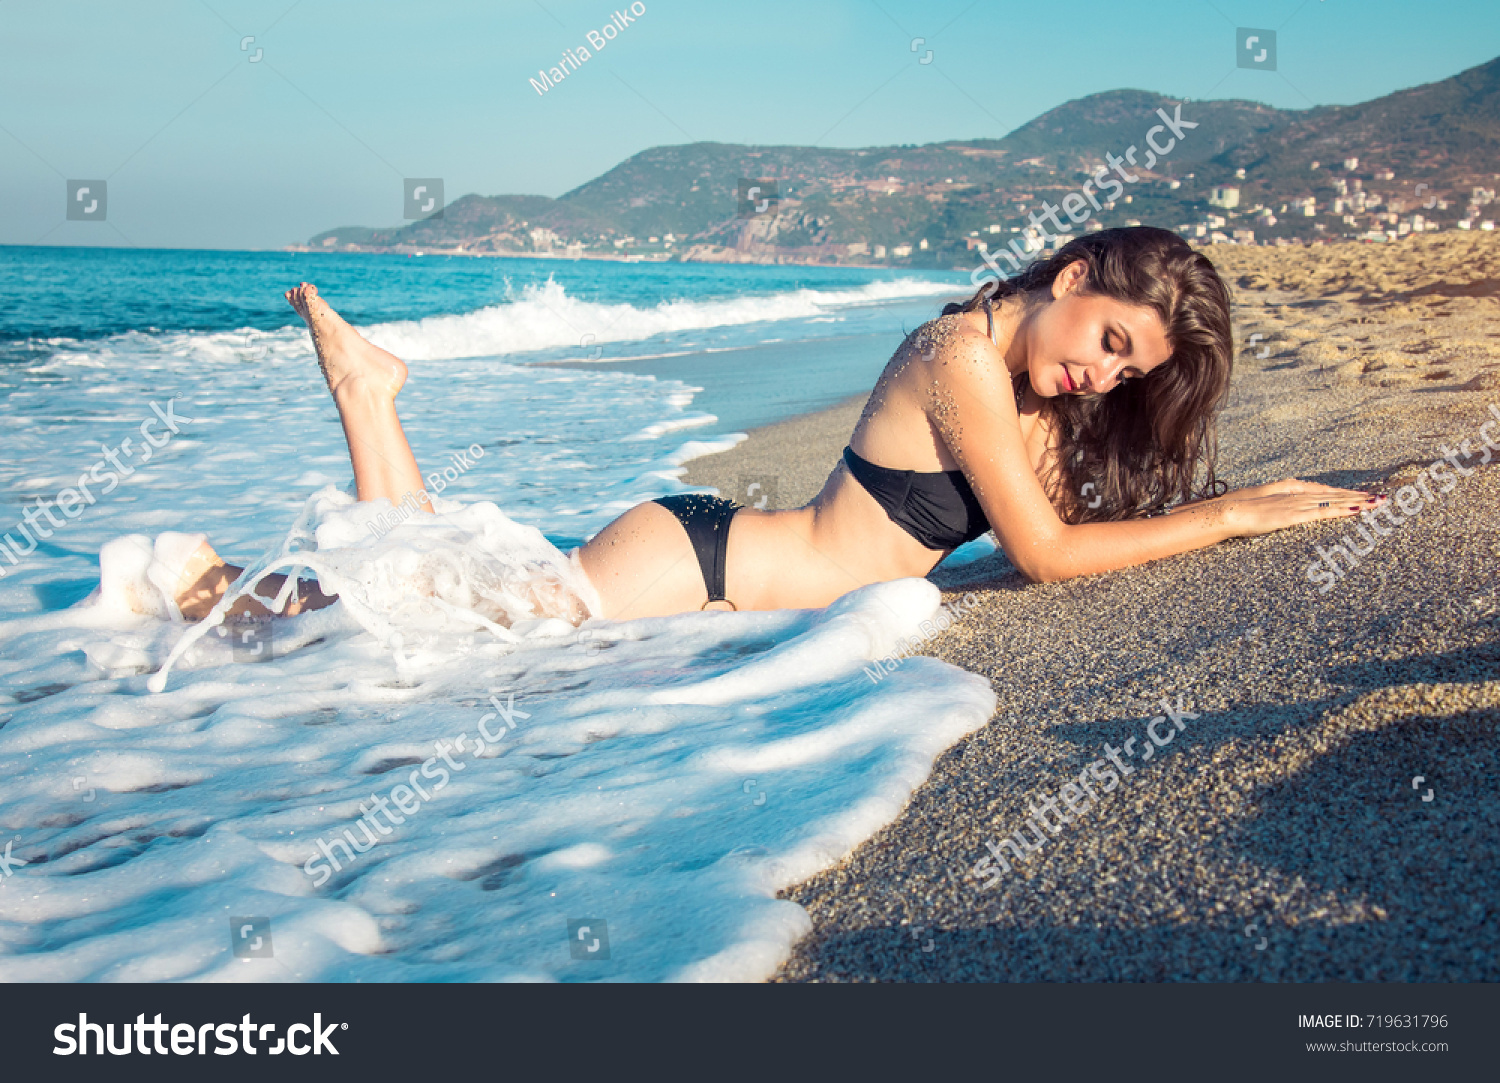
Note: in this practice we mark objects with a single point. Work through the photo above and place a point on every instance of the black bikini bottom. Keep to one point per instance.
(706, 520)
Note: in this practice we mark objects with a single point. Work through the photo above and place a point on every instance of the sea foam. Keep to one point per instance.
(663, 778)
(545, 316)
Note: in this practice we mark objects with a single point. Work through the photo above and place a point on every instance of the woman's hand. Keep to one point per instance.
(1264, 508)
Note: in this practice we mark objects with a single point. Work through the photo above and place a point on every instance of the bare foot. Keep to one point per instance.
(343, 353)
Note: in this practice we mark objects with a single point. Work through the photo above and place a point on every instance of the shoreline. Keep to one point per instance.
(1280, 244)
(604, 257)
(790, 458)
(1284, 799)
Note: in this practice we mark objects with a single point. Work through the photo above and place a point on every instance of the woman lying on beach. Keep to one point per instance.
(1069, 410)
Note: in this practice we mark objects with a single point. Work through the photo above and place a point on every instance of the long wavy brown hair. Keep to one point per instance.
(1143, 444)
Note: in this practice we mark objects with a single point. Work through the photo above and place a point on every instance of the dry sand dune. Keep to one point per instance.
(1331, 811)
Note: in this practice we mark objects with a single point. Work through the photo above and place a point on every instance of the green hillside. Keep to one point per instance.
(839, 205)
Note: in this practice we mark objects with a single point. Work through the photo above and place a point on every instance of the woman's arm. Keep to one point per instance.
(971, 403)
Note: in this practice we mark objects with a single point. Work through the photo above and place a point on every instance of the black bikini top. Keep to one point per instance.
(939, 507)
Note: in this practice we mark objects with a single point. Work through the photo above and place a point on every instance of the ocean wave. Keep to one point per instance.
(545, 317)
(537, 319)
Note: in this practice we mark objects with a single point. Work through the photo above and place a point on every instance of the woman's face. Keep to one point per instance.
(1082, 344)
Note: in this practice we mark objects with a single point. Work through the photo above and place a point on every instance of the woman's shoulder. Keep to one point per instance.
(959, 353)
(940, 342)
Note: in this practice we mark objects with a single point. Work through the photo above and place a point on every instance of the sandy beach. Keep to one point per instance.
(1324, 807)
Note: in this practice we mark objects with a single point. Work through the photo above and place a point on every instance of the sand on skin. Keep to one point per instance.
(1282, 835)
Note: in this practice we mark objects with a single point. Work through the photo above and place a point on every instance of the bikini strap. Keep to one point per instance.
(989, 320)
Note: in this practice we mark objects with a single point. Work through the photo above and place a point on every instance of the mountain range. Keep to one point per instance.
(1296, 174)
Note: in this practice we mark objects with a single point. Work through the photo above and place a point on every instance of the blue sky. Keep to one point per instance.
(205, 147)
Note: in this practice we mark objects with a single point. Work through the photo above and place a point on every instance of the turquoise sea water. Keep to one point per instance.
(830, 329)
(90, 292)
(659, 779)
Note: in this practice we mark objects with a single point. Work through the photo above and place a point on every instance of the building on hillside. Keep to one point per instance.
(1226, 196)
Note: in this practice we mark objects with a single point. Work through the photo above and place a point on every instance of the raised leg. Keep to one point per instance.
(364, 380)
